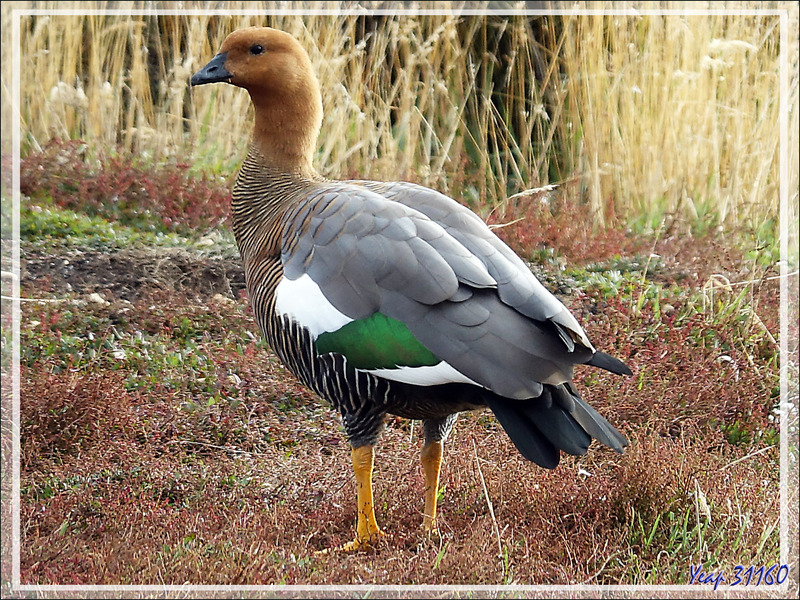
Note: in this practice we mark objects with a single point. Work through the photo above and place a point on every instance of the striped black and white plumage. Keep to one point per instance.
(391, 297)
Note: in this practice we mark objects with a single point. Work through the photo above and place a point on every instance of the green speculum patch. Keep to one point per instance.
(377, 342)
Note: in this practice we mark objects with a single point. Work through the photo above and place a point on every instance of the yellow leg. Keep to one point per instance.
(367, 530)
(431, 463)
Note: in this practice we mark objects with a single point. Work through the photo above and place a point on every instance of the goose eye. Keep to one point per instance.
(256, 49)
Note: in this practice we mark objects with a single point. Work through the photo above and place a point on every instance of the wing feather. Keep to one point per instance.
(517, 286)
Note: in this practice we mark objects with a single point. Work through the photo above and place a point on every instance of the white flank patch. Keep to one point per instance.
(435, 375)
(303, 301)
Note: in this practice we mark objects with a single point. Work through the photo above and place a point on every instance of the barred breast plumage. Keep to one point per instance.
(391, 297)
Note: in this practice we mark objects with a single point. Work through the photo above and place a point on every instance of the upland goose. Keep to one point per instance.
(389, 297)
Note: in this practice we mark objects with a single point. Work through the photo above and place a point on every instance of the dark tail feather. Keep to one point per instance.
(560, 429)
(541, 427)
(595, 425)
(609, 363)
(530, 442)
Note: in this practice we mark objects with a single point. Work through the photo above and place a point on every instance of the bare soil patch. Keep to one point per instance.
(128, 274)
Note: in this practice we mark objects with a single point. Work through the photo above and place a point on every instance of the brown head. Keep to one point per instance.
(275, 69)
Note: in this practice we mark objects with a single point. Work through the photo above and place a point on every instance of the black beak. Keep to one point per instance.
(213, 72)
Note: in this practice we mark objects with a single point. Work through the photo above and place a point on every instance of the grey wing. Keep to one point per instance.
(369, 254)
(516, 285)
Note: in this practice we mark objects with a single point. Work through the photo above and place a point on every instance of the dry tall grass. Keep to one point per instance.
(654, 116)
